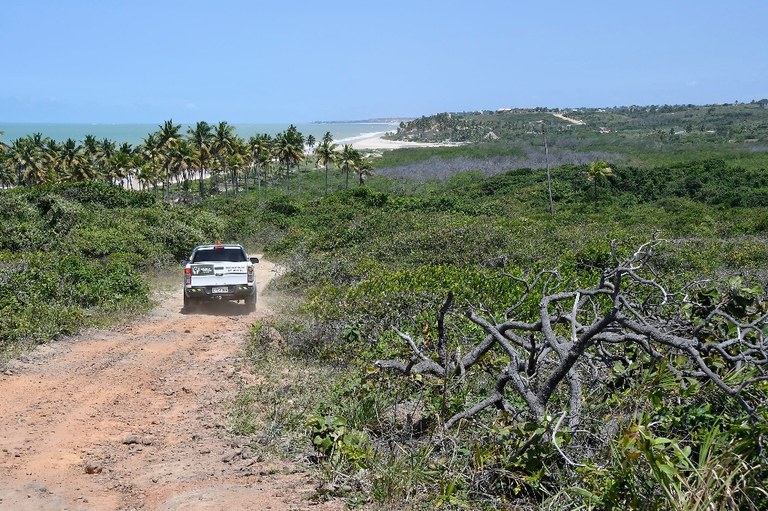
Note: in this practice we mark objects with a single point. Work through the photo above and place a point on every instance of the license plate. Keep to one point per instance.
(220, 290)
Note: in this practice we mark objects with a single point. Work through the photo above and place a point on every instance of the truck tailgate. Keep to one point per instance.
(219, 274)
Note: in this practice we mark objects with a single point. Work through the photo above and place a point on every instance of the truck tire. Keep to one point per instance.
(189, 303)
(250, 302)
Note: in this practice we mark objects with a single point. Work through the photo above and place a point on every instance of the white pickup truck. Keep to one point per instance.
(219, 272)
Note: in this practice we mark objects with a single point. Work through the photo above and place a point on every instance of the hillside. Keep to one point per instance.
(733, 123)
(411, 360)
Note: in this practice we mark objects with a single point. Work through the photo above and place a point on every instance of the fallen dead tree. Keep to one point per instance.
(585, 331)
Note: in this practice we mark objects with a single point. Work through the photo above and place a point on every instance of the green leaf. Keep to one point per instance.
(668, 469)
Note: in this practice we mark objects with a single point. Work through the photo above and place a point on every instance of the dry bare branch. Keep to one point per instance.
(582, 331)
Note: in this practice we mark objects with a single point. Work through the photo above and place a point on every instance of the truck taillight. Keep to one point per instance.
(188, 276)
(250, 274)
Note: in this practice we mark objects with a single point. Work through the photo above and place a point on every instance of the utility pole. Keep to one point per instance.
(549, 174)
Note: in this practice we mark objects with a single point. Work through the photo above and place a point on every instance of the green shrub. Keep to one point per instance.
(102, 194)
(45, 296)
(283, 205)
(333, 439)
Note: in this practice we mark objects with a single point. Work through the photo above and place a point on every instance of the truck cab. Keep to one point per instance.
(219, 272)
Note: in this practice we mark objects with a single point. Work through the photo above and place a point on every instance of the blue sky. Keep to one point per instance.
(267, 61)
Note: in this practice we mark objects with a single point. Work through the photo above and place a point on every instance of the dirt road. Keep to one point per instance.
(134, 418)
(577, 122)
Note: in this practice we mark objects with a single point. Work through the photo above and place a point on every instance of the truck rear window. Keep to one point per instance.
(229, 255)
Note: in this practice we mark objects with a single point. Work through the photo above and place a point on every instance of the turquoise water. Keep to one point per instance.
(134, 133)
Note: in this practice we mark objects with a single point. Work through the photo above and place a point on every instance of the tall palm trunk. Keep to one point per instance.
(226, 178)
(287, 178)
(258, 183)
(166, 182)
(266, 182)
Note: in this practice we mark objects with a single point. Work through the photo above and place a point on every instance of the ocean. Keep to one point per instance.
(343, 132)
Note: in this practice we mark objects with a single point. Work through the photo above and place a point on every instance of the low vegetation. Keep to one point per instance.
(377, 266)
(452, 343)
(73, 255)
(625, 126)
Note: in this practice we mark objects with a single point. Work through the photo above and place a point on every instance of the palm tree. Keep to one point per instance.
(236, 161)
(223, 136)
(148, 172)
(295, 136)
(51, 160)
(107, 150)
(21, 155)
(326, 153)
(123, 164)
(184, 160)
(148, 175)
(114, 165)
(73, 162)
(25, 157)
(168, 139)
(298, 140)
(118, 166)
(283, 151)
(201, 137)
(91, 151)
(6, 176)
(363, 169)
(260, 149)
(289, 150)
(311, 142)
(5, 172)
(137, 164)
(598, 170)
(348, 159)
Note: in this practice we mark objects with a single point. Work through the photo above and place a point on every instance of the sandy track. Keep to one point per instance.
(577, 122)
(140, 408)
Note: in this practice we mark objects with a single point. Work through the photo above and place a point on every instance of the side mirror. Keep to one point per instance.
(254, 260)
(184, 262)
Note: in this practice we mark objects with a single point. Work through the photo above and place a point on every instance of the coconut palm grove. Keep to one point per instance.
(169, 156)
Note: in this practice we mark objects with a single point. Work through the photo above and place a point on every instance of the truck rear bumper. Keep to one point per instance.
(233, 292)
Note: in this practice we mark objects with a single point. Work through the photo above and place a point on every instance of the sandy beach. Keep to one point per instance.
(377, 142)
